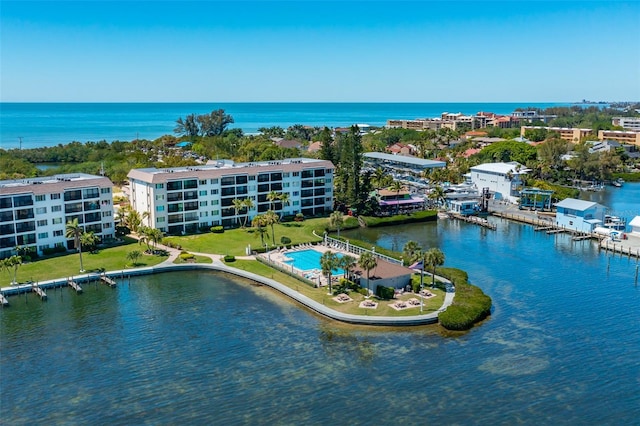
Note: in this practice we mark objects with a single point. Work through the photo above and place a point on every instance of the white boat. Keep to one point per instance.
(616, 184)
(614, 222)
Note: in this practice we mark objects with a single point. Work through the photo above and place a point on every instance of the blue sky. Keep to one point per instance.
(305, 51)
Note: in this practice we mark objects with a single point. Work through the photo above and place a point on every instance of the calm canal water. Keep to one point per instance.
(561, 347)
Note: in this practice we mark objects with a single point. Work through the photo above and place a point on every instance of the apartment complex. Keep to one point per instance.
(627, 123)
(570, 134)
(183, 199)
(34, 212)
(624, 137)
(458, 121)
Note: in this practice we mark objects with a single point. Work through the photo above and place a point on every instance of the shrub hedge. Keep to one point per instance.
(469, 306)
(228, 258)
(385, 293)
(421, 216)
(217, 229)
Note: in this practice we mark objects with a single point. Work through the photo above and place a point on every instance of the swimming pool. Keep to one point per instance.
(307, 260)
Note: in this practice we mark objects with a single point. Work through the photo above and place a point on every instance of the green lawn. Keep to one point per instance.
(320, 294)
(234, 241)
(196, 259)
(112, 258)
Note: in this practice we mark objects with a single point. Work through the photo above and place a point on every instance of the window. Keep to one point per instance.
(43, 247)
(43, 222)
(214, 181)
(107, 225)
(215, 212)
(160, 219)
(159, 185)
(285, 185)
(159, 208)
(41, 210)
(202, 182)
(296, 173)
(159, 197)
(105, 190)
(204, 214)
(22, 201)
(55, 196)
(59, 244)
(203, 204)
(214, 202)
(253, 178)
(214, 192)
(296, 203)
(43, 235)
(106, 214)
(296, 193)
(56, 208)
(202, 193)
(41, 197)
(56, 221)
(90, 193)
(286, 175)
(58, 233)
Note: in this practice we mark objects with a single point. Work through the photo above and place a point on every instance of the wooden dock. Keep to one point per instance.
(40, 292)
(109, 281)
(556, 231)
(543, 228)
(3, 300)
(475, 220)
(74, 285)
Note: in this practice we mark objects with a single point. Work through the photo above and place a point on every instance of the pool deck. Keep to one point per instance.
(219, 265)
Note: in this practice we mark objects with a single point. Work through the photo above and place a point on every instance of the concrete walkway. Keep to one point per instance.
(218, 265)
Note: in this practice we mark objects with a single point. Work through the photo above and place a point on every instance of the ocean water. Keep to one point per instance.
(561, 346)
(47, 124)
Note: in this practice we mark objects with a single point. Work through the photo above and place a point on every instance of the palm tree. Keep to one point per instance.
(346, 263)
(411, 251)
(133, 256)
(336, 219)
(438, 195)
(9, 263)
(259, 223)
(156, 236)
(75, 231)
(238, 205)
(368, 262)
(380, 178)
(285, 199)
(89, 240)
(15, 262)
(432, 258)
(273, 196)
(248, 203)
(144, 235)
(396, 186)
(328, 262)
(271, 218)
(5, 265)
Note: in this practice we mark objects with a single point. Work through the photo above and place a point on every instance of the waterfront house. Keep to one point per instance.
(503, 179)
(579, 215)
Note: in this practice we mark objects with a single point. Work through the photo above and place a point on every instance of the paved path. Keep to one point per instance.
(218, 265)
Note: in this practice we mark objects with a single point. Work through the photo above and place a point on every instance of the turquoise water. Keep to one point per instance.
(561, 346)
(306, 260)
(47, 124)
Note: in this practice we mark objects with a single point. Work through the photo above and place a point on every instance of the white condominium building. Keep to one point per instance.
(183, 199)
(34, 211)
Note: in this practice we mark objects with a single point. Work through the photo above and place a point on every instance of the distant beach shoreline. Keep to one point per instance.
(33, 125)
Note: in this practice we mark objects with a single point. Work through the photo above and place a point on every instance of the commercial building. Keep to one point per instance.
(183, 199)
(504, 180)
(34, 212)
(579, 215)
